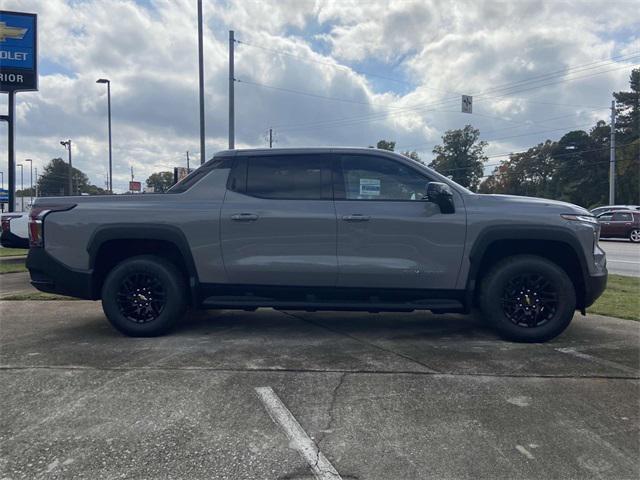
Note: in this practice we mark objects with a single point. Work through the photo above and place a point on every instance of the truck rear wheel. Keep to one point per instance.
(144, 296)
(527, 298)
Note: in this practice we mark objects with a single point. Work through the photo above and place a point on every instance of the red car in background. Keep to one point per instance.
(620, 224)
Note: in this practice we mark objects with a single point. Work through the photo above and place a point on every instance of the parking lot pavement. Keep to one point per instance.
(623, 257)
(15, 283)
(381, 395)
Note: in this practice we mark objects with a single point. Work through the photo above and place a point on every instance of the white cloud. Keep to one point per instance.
(149, 51)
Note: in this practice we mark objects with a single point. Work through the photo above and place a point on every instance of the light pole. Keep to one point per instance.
(2, 177)
(108, 82)
(21, 185)
(36, 182)
(67, 145)
(30, 180)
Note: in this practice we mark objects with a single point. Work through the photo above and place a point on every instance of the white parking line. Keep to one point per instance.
(525, 452)
(298, 438)
(601, 361)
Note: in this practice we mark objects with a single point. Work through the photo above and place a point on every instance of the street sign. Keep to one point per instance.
(18, 51)
(467, 104)
(134, 186)
(4, 195)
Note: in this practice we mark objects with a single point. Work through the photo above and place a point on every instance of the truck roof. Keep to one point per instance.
(295, 150)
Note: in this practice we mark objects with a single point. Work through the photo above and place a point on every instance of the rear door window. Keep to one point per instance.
(289, 177)
(622, 217)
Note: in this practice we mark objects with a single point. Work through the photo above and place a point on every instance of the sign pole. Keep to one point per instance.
(201, 82)
(232, 111)
(12, 153)
(18, 73)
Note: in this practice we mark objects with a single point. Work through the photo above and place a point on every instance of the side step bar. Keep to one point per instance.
(251, 303)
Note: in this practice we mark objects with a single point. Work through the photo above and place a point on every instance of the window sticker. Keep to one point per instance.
(370, 187)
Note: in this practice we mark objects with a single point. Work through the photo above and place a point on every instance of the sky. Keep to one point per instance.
(319, 73)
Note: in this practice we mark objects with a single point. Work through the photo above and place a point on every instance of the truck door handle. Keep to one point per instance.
(356, 218)
(244, 217)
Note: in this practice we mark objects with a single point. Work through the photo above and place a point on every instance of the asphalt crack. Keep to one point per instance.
(370, 344)
(331, 415)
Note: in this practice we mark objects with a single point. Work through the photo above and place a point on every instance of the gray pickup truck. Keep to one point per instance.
(320, 229)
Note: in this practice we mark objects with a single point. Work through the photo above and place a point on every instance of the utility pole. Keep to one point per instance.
(232, 115)
(612, 156)
(188, 169)
(271, 138)
(21, 185)
(67, 144)
(201, 80)
(108, 83)
(36, 182)
(31, 180)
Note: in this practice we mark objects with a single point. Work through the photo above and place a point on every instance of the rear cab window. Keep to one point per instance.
(283, 177)
(194, 177)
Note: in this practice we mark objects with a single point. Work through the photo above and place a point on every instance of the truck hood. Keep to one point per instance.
(516, 201)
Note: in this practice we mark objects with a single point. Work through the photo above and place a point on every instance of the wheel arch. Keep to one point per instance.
(555, 244)
(111, 244)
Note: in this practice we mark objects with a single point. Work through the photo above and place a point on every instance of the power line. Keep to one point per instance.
(504, 90)
(337, 65)
(553, 156)
(445, 101)
(561, 73)
(309, 94)
(545, 76)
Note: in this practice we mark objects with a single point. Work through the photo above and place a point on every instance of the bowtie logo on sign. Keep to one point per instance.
(11, 32)
(18, 52)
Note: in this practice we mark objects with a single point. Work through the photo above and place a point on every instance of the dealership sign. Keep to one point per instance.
(18, 51)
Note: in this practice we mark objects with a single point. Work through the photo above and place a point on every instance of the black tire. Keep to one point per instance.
(144, 296)
(634, 235)
(527, 298)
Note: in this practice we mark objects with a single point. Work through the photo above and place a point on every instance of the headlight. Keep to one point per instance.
(580, 218)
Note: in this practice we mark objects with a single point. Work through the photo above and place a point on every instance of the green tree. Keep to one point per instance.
(160, 181)
(386, 145)
(391, 145)
(461, 156)
(628, 110)
(54, 180)
(628, 142)
(524, 173)
(413, 155)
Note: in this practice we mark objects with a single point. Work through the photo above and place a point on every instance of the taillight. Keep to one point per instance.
(6, 219)
(36, 221)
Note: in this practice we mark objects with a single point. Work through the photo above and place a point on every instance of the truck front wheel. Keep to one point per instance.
(527, 298)
(144, 296)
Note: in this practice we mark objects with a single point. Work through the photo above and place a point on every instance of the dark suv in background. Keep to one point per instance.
(620, 224)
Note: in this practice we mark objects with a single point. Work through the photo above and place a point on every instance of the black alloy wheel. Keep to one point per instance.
(529, 300)
(144, 296)
(141, 297)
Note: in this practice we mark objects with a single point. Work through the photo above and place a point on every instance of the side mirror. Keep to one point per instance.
(442, 195)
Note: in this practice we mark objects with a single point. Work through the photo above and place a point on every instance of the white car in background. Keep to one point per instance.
(15, 230)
